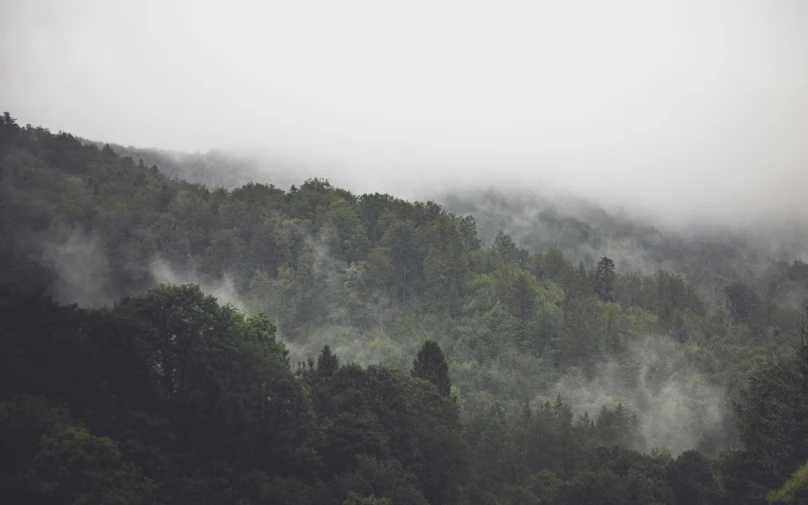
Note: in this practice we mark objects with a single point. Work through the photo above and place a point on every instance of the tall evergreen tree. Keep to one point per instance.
(327, 362)
(604, 279)
(430, 364)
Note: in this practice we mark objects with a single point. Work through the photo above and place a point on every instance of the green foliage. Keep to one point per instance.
(355, 499)
(189, 393)
(49, 458)
(619, 427)
(771, 419)
(793, 487)
(742, 302)
(75, 467)
(692, 479)
(171, 396)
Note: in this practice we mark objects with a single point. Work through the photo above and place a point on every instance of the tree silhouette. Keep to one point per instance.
(430, 364)
(604, 279)
(327, 362)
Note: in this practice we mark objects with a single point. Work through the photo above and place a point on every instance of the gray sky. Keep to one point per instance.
(693, 109)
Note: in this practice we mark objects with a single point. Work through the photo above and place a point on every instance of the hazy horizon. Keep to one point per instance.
(693, 111)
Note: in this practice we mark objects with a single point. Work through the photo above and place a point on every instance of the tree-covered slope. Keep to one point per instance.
(772, 259)
(563, 375)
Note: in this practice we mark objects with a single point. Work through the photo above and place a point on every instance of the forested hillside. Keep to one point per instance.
(368, 350)
(772, 260)
(215, 168)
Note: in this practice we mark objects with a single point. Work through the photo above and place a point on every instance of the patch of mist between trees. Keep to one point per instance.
(678, 408)
(370, 342)
(796, 299)
(79, 260)
(82, 269)
(380, 343)
(83, 272)
(223, 290)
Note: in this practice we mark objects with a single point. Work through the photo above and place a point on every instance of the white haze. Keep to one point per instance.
(223, 290)
(676, 405)
(80, 263)
(696, 111)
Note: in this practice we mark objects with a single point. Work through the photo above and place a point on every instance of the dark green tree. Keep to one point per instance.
(327, 362)
(692, 481)
(604, 279)
(771, 420)
(430, 364)
(76, 467)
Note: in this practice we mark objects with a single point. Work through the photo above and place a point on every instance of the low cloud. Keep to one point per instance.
(678, 408)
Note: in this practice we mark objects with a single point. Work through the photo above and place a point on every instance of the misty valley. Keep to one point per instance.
(180, 329)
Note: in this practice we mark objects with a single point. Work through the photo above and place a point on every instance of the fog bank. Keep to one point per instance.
(694, 111)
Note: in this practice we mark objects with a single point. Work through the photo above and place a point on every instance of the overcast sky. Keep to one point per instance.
(695, 109)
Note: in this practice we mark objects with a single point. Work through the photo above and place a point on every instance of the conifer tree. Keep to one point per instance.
(430, 364)
(327, 362)
(604, 279)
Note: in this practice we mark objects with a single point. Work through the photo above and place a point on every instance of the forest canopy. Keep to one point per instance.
(164, 341)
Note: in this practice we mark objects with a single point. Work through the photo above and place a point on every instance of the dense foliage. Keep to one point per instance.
(771, 260)
(486, 374)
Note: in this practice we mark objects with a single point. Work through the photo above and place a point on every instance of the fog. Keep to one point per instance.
(677, 406)
(696, 111)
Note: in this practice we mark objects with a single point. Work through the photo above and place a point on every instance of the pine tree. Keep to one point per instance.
(430, 364)
(327, 362)
(604, 279)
